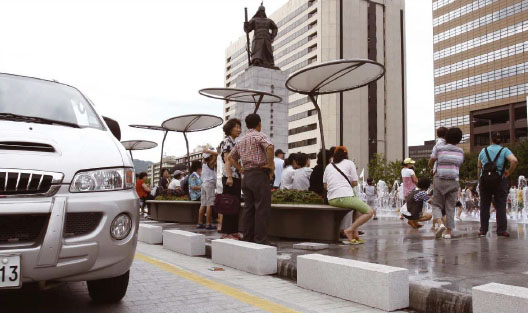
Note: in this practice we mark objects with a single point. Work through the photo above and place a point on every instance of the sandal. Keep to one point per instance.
(353, 242)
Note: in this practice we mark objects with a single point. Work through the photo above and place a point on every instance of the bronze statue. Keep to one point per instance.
(265, 32)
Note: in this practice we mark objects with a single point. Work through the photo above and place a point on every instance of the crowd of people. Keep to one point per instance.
(252, 167)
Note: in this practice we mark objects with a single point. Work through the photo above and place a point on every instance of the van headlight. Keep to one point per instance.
(107, 179)
(121, 226)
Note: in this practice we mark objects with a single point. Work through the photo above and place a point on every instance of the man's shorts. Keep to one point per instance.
(208, 194)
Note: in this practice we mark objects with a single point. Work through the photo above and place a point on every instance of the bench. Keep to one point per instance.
(184, 242)
(306, 221)
(379, 286)
(174, 211)
(294, 221)
(495, 297)
(245, 256)
(150, 234)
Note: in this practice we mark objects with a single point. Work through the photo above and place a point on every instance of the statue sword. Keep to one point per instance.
(247, 39)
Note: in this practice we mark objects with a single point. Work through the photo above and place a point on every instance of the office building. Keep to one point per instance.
(368, 120)
(480, 65)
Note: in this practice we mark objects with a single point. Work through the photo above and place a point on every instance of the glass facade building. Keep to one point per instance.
(480, 68)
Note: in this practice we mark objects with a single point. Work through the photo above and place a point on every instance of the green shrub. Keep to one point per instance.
(173, 197)
(295, 197)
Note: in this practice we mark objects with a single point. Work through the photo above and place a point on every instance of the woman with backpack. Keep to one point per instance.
(493, 183)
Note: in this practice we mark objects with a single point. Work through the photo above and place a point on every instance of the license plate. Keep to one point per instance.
(9, 271)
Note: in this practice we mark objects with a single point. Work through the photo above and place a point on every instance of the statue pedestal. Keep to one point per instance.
(275, 115)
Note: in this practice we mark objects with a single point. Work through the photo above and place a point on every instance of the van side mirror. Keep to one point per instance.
(113, 125)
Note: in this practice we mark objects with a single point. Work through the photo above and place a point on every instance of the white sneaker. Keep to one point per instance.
(446, 236)
(440, 231)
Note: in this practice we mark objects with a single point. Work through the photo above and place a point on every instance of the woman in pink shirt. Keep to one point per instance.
(409, 178)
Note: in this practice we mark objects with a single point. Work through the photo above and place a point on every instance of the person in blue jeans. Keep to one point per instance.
(499, 194)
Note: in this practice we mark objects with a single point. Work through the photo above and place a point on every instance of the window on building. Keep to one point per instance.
(302, 143)
(302, 129)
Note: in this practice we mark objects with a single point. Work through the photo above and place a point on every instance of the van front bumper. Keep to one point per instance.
(90, 256)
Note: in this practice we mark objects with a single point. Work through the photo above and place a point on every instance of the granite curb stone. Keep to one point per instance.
(245, 256)
(355, 280)
(151, 234)
(184, 242)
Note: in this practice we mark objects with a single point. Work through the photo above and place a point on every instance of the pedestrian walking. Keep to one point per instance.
(372, 196)
(255, 151)
(231, 178)
(449, 158)
(279, 167)
(493, 183)
(341, 181)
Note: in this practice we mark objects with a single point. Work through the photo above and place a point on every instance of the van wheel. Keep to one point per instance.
(108, 290)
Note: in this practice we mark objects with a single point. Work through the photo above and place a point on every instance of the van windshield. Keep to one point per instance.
(49, 101)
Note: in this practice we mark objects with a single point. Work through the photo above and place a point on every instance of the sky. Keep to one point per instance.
(143, 61)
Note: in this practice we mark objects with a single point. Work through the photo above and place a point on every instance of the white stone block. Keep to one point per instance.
(150, 233)
(501, 298)
(379, 286)
(310, 246)
(184, 242)
(245, 256)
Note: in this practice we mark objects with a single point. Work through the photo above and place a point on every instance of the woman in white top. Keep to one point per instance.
(301, 176)
(343, 192)
(290, 165)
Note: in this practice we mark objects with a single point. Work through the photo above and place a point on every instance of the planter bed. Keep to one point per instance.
(295, 221)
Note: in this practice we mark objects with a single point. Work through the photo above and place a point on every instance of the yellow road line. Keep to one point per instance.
(227, 290)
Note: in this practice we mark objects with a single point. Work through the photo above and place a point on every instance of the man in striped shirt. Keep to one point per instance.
(448, 159)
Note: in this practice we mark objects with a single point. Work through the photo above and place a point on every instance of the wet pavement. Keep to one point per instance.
(457, 264)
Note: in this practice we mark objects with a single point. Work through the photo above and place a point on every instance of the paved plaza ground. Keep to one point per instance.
(165, 281)
(457, 264)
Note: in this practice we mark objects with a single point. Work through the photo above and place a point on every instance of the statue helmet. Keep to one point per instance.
(261, 10)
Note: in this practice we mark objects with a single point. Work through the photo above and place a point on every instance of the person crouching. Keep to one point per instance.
(415, 202)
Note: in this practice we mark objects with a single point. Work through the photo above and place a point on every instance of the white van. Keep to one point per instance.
(68, 205)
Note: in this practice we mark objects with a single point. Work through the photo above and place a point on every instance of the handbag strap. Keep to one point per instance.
(341, 172)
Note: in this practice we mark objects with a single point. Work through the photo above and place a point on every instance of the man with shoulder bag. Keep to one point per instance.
(493, 183)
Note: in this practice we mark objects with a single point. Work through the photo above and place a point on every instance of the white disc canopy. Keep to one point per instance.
(335, 76)
(240, 95)
(138, 144)
(332, 77)
(192, 123)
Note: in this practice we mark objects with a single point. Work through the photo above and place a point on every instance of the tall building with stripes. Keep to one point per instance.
(480, 65)
(368, 120)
